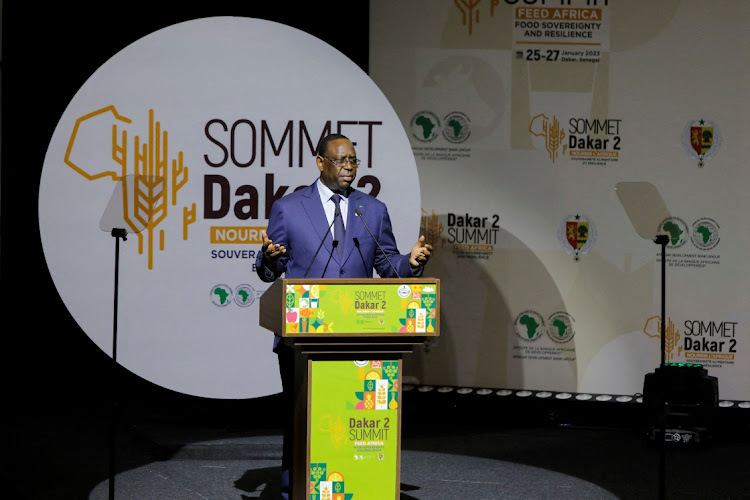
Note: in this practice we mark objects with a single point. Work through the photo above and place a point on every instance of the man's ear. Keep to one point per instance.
(319, 163)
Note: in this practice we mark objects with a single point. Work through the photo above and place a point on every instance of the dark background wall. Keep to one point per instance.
(49, 52)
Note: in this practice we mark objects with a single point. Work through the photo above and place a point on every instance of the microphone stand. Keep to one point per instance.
(337, 213)
(662, 239)
(117, 234)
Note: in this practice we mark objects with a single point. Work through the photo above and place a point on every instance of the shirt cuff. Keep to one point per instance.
(270, 275)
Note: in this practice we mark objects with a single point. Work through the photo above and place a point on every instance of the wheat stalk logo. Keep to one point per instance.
(654, 328)
(542, 126)
(469, 16)
(146, 195)
(431, 227)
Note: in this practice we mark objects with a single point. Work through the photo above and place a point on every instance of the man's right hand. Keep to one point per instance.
(271, 252)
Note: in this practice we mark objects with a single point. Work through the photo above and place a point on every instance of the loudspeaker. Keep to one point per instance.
(681, 399)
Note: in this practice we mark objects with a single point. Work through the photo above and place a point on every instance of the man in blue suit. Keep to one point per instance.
(306, 238)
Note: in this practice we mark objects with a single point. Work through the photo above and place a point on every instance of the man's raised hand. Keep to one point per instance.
(420, 253)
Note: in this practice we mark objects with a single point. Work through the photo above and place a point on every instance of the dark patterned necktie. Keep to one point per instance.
(339, 232)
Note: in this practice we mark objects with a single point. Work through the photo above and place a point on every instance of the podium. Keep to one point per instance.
(349, 337)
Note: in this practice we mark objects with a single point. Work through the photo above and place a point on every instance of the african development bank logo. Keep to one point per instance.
(456, 127)
(529, 325)
(425, 126)
(560, 327)
(705, 233)
(577, 235)
(221, 295)
(701, 140)
(677, 231)
(243, 295)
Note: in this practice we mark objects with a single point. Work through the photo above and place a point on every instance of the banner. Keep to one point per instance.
(214, 119)
(523, 117)
(373, 308)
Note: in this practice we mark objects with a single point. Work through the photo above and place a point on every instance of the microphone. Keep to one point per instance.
(337, 213)
(358, 211)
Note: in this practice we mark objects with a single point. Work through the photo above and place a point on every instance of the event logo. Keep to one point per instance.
(471, 236)
(432, 228)
(468, 13)
(471, 14)
(705, 233)
(701, 140)
(577, 235)
(157, 180)
(425, 126)
(677, 231)
(591, 141)
(560, 327)
(472, 229)
(456, 127)
(709, 341)
(653, 329)
(550, 130)
(594, 141)
(529, 325)
(715, 341)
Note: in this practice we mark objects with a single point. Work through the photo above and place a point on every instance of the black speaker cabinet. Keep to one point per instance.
(681, 399)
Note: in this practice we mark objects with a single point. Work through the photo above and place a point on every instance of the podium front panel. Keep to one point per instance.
(362, 308)
(354, 429)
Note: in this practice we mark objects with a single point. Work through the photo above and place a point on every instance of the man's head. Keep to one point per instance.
(337, 162)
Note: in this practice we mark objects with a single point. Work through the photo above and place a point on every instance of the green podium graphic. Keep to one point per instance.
(349, 338)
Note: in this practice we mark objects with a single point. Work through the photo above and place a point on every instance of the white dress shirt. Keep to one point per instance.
(329, 206)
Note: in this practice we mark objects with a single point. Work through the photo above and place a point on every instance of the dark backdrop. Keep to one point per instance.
(49, 51)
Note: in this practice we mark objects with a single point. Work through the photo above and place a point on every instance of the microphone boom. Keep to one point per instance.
(358, 211)
(337, 213)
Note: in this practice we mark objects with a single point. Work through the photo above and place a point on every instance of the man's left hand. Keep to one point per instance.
(420, 253)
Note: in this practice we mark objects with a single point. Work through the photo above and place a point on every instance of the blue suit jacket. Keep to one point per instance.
(299, 223)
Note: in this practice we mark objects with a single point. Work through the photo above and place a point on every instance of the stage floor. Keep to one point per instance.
(177, 452)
